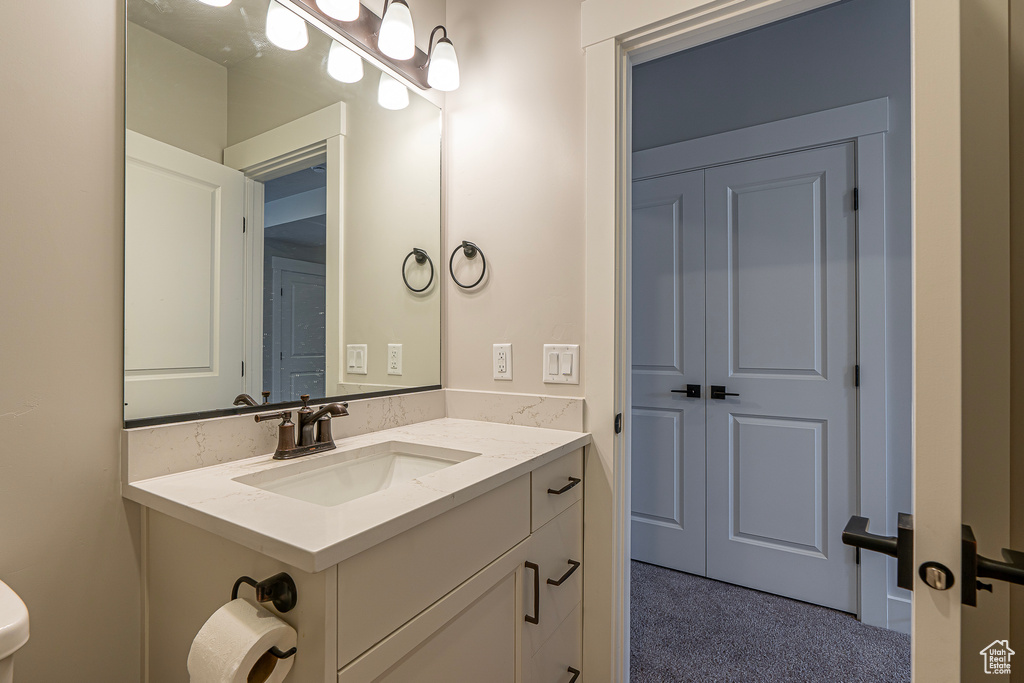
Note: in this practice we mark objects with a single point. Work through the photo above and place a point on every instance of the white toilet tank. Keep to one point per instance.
(13, 630)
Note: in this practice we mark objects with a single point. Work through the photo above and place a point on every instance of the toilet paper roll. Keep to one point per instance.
(233, 646)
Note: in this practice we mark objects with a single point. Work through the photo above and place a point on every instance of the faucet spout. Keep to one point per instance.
(335, 410)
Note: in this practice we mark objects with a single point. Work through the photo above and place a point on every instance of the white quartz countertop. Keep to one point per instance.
(312, 537)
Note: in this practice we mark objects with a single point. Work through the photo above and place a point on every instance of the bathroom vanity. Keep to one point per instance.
(446, 550)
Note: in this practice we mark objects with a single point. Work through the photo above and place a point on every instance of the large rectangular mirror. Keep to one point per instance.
(278, 221)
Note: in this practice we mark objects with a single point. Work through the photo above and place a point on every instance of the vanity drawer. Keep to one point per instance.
(550, 549)
(564, 650)
(556, 476)
(386, 586)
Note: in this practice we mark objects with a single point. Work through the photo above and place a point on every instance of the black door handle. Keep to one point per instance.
(975, 567)
(719, 393)
(691, 391)
(901, 546)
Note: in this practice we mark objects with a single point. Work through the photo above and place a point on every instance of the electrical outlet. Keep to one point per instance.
(356, 364)
(394, 359)
(503, 361)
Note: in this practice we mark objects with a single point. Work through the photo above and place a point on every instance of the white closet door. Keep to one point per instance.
(781, 333)
(667, 448)
(183, 280)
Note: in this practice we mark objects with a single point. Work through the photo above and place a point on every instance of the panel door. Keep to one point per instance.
(183, 280)
(781, 333)
(667, 447)
(303, 331)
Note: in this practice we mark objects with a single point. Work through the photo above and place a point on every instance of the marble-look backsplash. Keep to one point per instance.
(148, 452)
(528, 410)
(168, 449)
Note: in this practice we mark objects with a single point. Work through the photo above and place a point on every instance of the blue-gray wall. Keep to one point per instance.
(842, 54)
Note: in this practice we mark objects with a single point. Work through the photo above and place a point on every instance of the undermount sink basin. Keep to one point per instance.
(347, 475)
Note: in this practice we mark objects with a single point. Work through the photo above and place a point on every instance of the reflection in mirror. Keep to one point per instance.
(269, 209)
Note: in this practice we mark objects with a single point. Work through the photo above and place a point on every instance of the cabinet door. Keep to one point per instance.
(478, 645)
(555, 548)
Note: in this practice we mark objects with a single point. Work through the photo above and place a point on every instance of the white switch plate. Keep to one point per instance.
(356, 364)
(561, 364)
(503, 361)
(394, 359)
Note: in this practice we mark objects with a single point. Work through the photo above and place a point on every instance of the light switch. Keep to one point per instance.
(356, 359)
(561, 364)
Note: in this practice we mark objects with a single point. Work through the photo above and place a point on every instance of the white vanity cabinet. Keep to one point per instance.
(445, 601)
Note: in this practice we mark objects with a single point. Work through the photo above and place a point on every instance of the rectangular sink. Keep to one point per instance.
(347, 475)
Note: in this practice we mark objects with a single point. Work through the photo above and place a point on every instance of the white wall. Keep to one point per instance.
(69, 542)
(175, 95)
(515, 186)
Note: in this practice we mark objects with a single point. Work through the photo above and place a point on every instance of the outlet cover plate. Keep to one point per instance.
(356, 361)
(561, 364)
(503, 362)
(394, 359)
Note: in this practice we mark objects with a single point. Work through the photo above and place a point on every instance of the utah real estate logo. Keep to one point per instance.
(997, 657)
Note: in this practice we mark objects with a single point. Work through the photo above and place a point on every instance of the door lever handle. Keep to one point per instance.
(691, 391)
(975, 566)
(719, 393)
(901, 546)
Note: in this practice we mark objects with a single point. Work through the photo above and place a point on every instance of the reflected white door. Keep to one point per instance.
(183, 280)
(300, 329)
(667, 462)
(781, 334)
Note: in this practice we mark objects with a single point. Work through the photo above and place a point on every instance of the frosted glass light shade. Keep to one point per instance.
(216, 3)
(443, 72)
(285, 29)
(343, 64)
(397, 38)
(342, 10)
(391, 94)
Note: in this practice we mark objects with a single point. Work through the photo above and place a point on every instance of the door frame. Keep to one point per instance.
(617, 35)
(865, 125)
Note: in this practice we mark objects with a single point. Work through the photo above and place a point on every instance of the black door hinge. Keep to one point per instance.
(243, 368)
(618, 423)
(243, 225)
(856, 199)
(856, 375)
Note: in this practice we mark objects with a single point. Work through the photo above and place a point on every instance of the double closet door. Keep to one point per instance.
(744, 280)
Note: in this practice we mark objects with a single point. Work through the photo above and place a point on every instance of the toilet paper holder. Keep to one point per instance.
(279, 589)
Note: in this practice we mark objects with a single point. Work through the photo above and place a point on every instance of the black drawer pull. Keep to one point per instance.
(535, 619)
(574, 566)
(575, 674)
(572, 482)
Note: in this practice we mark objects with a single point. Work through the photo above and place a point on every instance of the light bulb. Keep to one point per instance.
(343, 64)
(391, 94)
(342, 10)
(216, 3)
(443, 72)
(285, 29)
(397, 38)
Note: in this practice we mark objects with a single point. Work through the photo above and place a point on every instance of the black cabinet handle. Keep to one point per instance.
(575, 674)
(535, 619)
(572, 482)
(719, 393)
(574, 565)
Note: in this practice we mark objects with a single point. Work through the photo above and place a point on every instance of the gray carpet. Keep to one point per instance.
(688, 628)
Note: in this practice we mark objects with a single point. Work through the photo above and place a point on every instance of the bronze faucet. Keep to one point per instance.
(314, 429)
(247, 400)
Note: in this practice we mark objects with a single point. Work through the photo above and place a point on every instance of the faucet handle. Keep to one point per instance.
(266, 397)
(285, 431)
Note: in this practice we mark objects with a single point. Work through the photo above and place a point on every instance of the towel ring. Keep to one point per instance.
(471, 250)
(421, 258)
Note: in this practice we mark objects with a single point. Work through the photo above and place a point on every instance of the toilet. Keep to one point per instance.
(13, 630)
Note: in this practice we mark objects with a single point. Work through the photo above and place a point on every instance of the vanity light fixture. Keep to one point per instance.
(442, 62)
(397, 38)
(216, 3)
(391, 94)
(343, 64)
(286, 29)
(342, 10)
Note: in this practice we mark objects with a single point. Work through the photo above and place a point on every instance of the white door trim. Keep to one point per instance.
(864, 124)
(937, 359)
